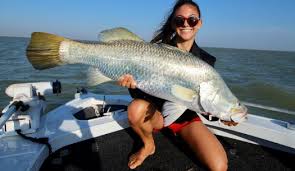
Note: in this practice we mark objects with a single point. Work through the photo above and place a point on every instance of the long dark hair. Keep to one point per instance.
(166, 33)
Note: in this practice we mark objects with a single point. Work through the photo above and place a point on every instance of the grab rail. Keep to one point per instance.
(269, 108)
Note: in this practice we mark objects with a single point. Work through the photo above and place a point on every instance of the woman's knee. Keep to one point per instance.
(137, 110)
(219, 165)
(211, 154)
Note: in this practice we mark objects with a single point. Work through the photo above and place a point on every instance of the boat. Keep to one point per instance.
(91, 132)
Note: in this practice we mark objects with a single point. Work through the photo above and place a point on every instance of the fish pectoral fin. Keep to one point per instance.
(95, 77)
(118, 33)
(183, 93)
(206, 96)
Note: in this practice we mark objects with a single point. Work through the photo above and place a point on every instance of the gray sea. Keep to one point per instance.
(256, 76)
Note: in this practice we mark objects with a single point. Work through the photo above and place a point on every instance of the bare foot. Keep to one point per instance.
(137, 158)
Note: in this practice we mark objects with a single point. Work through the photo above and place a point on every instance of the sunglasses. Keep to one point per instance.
(180, 20)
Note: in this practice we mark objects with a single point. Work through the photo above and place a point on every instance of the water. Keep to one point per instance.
(263, 77)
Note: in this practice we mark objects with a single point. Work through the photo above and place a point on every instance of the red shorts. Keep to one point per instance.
(176, 127)
(184, 120)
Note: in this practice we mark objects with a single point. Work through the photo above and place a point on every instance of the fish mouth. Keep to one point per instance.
(239, 116)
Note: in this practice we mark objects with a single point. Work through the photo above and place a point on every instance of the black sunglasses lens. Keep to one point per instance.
(192, 21)
(179, 21)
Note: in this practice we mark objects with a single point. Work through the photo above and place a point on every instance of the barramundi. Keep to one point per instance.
(158, 69)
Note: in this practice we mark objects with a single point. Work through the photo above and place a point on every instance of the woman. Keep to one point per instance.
(146, 113)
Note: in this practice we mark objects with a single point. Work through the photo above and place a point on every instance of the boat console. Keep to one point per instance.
(27, 105)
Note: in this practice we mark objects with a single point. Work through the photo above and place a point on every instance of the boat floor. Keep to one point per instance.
(111, 152)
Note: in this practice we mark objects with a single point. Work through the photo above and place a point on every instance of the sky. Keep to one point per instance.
(244, 24)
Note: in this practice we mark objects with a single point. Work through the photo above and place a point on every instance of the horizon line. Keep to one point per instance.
(253, 49)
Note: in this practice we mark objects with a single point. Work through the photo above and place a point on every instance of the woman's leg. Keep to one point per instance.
(205, 145)
(143, 118)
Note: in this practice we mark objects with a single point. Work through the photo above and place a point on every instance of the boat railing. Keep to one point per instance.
(274, 109)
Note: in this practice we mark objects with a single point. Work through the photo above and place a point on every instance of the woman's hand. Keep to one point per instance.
(229, 123)
(127, 81)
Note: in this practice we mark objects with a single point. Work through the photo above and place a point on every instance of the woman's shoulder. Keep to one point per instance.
(204, 55)
(210, 59)
(199, 52)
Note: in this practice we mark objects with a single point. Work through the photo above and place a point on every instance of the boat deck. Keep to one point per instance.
(111, 152)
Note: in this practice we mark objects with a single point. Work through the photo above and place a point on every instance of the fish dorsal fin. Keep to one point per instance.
(183, 93)
(118, 33)
(171, 47)
(95, 77)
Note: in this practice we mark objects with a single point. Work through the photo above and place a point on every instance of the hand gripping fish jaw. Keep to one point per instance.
(28, 103)
(220, 102)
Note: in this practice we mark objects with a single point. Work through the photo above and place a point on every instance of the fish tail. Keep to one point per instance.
(44, 50)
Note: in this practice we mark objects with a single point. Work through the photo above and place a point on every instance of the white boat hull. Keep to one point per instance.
(63, 128)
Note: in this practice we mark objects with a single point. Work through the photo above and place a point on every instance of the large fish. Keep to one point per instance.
(160, 70)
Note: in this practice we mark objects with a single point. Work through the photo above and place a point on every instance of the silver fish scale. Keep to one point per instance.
(155, 68)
